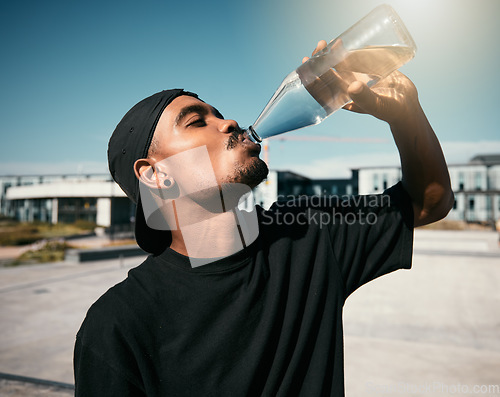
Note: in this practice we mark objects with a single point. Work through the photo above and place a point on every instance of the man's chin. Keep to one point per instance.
(251, 174)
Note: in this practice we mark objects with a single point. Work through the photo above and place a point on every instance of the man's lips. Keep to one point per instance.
(240, 138)
(248, 144)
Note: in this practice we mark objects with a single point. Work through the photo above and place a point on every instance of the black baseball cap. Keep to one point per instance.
(130, 141)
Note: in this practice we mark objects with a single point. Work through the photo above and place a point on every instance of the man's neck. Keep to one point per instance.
(213, 236)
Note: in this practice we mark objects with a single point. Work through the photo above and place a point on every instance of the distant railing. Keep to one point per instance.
(29, 385)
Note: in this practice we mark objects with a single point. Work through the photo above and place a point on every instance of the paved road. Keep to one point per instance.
(433, 331)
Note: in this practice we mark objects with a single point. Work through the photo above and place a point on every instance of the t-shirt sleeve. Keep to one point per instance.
(372, 235)
(95, 377)
(104, 364)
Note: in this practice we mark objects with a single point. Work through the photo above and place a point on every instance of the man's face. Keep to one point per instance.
(188, 122)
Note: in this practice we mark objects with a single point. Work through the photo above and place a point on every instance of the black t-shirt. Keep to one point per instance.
(266, 321)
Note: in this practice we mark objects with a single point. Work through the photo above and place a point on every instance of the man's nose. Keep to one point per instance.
(228, 126)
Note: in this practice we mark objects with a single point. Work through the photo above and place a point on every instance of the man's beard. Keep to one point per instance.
(250, 175)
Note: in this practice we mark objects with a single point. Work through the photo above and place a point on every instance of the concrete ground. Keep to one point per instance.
(433, 331)
(22, 388)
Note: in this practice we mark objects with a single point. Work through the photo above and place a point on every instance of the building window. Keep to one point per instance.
(455, 204)
(478, 180)
(489, 199)
(384, 181)
(317, 190)
(471, 203)
(375, 182)
(72, 209)
(348, 189)
(461, 181)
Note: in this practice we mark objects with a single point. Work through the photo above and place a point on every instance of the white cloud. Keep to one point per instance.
(54, 168)
(327, 167)
(340, 166)
(463, 151)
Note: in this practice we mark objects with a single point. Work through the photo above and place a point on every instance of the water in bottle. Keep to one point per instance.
(318, 87)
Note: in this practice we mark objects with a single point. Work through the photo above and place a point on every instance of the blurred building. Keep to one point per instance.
(65, 198)
(282, 185)
(476, 185)
(96, 198)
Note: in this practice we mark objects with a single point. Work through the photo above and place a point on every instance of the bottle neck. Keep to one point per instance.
(252, 134)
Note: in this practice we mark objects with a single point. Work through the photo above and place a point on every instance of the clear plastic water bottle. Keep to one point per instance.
(368, 51)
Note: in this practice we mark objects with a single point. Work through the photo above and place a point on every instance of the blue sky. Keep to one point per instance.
(72, 69)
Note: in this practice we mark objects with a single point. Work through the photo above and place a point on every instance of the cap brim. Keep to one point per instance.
(150, 240)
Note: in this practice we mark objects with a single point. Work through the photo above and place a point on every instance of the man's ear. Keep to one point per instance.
(144, 171)
(152, 174)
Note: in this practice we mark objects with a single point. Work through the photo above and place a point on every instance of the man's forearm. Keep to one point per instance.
(425, 174)
(424, 169)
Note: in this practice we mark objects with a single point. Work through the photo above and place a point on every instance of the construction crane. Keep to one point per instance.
(316, 138)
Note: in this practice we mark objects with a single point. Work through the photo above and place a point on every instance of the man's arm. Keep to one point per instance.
(94, 377)
(425, 174)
